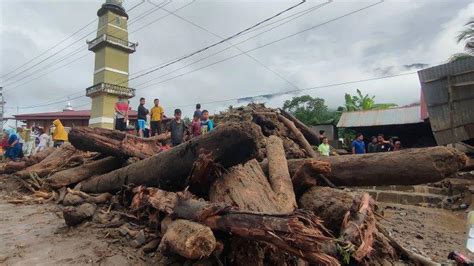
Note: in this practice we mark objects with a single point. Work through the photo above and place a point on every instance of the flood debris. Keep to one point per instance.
(252, 190)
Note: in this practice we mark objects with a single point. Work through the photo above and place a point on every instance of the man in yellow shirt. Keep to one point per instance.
(156, 116)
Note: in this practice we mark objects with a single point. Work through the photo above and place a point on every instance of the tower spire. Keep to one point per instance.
(112, 50)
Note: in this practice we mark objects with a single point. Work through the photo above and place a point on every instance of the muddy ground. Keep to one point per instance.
(35, 234)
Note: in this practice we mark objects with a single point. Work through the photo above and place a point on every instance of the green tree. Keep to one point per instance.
(309, 110)
(466, 36)
(363, 102)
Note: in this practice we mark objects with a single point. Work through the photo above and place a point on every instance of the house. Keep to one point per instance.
(69, 118)
(409, 123)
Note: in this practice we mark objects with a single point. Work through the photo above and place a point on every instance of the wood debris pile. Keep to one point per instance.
(252, 191)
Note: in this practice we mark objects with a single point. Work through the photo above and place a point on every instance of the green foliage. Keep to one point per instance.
(363, 102)
(309, 110)
(467, 36)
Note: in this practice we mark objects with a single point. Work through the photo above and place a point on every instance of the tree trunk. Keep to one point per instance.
(248, 188)
(308, 175)
(82, 172)
(335, 206)
(115, 143)
(61, 158)
(229, 144)
(13, 166)
(308, 133)
(406, 167)
(299, 136)
(188, 239)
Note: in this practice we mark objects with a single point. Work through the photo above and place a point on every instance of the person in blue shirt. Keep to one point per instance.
(358, 145)
(14, 147)
(207, 125)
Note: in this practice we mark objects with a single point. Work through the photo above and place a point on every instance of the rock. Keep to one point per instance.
(419, 236)
(151, 246)
(139, 240)
(76, 215)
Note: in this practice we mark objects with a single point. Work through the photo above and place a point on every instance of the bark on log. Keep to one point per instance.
(307, 175)
(300, 137)
(13, 166)
(308, 133)
(299, 233)
(115, 143)
(229, 144)
(188, 239)
(406, 167)
(59, 159)
(82, 172)
(333, 206)
(248, 188)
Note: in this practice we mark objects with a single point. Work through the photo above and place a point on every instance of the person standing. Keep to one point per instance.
(321, 136)
(382, 144)
(156, 114)
(177, 128)
(59, 134)
(43, 140)
(14, 148)
(372, 147)
(207, 124)
(121, 114)
(141, 117)
(358, 145)
(324, 148)
(196, 126)
(197, 112)
(397, 145)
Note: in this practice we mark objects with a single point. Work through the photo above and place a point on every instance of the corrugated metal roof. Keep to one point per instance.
(392, 116)
(449, 95)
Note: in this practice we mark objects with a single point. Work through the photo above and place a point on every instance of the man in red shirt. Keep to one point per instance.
(121, 114)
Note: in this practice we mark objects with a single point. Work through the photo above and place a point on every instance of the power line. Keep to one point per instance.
(80, 48)
(220, 37)
(250, 50)
(269, 95)
(64, 48)
(233, 36)
(217, 43)
(288, 36)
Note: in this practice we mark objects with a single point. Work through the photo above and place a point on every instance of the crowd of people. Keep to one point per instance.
(16, 143)
(358, 145)
(150, 121)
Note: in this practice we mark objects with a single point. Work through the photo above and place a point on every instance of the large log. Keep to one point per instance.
(247, 187)
(60, 159)
(188, 239)
(115, 143)
(13, 166)
(228, 145)
(308, 133)
(77, 174)
(405, 167)
(299, 136)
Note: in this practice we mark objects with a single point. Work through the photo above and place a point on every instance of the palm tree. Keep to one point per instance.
(364, 102)
(467, 36)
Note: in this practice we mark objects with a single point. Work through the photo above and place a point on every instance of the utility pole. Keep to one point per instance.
(16, 120)
(2, 109)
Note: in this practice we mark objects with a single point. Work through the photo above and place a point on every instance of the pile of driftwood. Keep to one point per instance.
(252, 191)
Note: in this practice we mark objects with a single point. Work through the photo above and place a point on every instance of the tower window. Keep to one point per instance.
(117, 21)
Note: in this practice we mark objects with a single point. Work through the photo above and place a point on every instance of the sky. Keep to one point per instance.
(390, 38)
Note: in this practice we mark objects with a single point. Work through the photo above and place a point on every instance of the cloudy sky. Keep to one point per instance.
(390, 38)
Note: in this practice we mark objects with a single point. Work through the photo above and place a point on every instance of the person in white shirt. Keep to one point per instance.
(43, 140)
